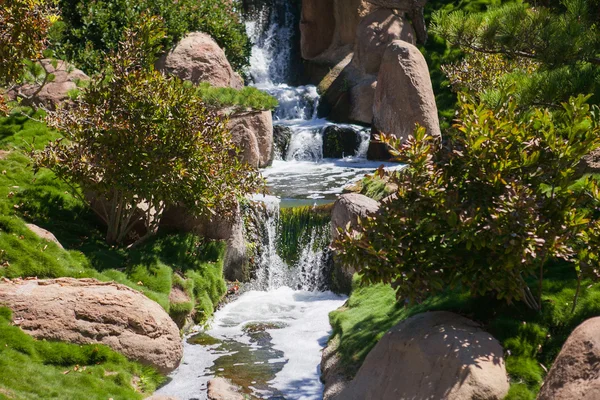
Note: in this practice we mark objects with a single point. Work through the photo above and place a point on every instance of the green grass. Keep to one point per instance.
(36, 369)
(532, 339)
(245, 98)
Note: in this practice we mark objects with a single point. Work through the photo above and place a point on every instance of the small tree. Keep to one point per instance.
(138, 140)
(489, 208)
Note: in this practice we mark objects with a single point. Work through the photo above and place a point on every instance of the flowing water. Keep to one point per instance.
(269, 340)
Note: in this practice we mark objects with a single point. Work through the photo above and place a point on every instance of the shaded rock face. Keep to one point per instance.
(282, 135)
(434, 355)
(414, 8)
(252, 132)
(575, 373)
(222, 389)
(373, 35)
(332, 370)
(198, 58)
(339, 142)
(53, 93)
(89, 311)
(361, 100)
(347, 209)
(404, 95)
(317, 26)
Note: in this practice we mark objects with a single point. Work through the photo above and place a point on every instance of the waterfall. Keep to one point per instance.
(293, 246)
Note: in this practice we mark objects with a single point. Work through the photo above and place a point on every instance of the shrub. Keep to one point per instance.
(90, 28)
(487, 210)
(138, 137)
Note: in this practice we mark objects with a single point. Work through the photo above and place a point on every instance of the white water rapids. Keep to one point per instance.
(269, 340)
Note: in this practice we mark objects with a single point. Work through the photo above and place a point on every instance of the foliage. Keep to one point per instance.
(562, 39)
(49, 203)
(248, 97)
(24, 26)
(488, 209)
(42, 369)
(91, 28)
(531, 340)
(137, 137)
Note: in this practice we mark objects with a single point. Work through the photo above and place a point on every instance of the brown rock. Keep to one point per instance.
(414, 8)
(161, 397)
(361, 100)
(66, 77)
(317, 26)
(434, 355)
(373, 35)
(252, 131)
(44, 234)
(222, 389)
(198, 58)
(404, 95)
(575, 373)
(89, 311)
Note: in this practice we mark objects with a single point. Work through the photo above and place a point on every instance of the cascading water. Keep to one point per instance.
(268, 341)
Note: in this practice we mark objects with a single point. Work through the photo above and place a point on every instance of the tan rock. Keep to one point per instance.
(373, 35)
(333, 374)
(434, 355)
(414, 9)
(404, 95)
(66, 78)
(575, 373)
(44, 234)
(252, 132)
(161, 397)
(348, 208)
(317, 26)
(198, 58)
(89, 311)
(222, 389)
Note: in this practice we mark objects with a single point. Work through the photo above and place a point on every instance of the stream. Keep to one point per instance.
(269, 340)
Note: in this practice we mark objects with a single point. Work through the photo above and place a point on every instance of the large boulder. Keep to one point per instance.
(575, 373)
(317, 26)
(404, 95)
(198, 58)
(414, 9)
(361, 100)
(252, 132)
(373, 35)
(434, 355)
(347, 209)
(340, 141)
(44, 234)
(66, 79)
(88, 311)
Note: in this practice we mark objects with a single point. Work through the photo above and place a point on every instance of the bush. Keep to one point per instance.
(90, 28)
(487, 210)
(138, 137)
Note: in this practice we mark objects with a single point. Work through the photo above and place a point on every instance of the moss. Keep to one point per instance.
(42, 369)
(245, 98)
(530, 339)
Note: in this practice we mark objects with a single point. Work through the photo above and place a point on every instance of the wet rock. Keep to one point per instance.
(198, 58)
(44, 234)
(66, 79)
(89, 311)
(340, 141)
(282, 135)
(222, 389)
(404, 95)
(575, 373)
(434, 355)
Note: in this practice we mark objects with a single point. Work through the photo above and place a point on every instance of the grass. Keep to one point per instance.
(243, 99)
(35, 369)
(530, 340)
